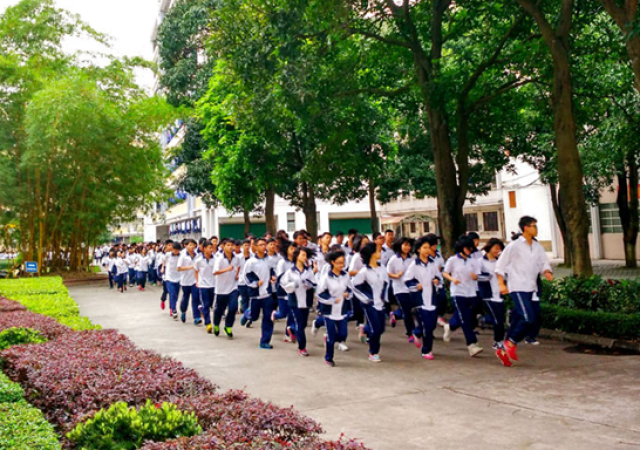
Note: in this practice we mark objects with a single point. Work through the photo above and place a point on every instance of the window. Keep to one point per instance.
(512, 199)
(291, 222)
(413, 227)
(490, 221)
(472, 221)
(425, 227)
(610, 218)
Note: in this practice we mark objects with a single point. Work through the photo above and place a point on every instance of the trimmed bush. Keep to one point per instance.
(22, 427)
(18, 336)
(212, 441)
(10, 392)
(47, 296)
(80, 373)
(7, 305)
(124, 428)
(611, 325)
(235, 413)
(594, 294)
(47, 326)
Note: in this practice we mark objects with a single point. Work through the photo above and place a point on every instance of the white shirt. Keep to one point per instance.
(171, 268)
(331, 288)
(188, 277)
(398, 264)
(205, 268)
(386, 256)
(523, 263)
(142, 263)
(242, 261)
(370, 286)
(424, 274)
(296, 284)
(226, 283)
(121, 266)
(258, 269)
(461, 268)
(283, 266)
(356, 264)
(488, 269)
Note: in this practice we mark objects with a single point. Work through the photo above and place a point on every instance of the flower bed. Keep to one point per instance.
(77, 374)
(81, 373)
(594, 305)
(47, 296)
(7, 305)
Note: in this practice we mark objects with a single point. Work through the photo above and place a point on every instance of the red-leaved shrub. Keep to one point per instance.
(7, 305)
(234, 415)
(48, 327)
(81, 373)
(212, 441)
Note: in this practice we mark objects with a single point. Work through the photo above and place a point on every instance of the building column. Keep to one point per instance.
(597, 232)
(215, 223)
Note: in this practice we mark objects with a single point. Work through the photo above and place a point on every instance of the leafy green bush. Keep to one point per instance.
(16, 336)
(124, 428)
(571, 320)
(594, 294)
(10, 392)
(22, 427)
(47, 296)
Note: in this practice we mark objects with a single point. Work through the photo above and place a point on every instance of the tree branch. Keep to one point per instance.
(545, 27)
(377, 91)
(501, 90)
(378, 37)
(566, 19)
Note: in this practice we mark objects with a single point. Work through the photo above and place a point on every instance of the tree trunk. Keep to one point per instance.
(557, 211)
(247, 222)
(572, 201)
(627, 201)
(310, 211)
(270, 197)
(372, 207)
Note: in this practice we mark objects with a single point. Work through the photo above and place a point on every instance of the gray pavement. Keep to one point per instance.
(550, 400)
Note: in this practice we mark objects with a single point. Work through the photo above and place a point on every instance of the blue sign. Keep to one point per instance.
(32, 267)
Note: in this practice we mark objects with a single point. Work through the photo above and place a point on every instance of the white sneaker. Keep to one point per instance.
(343, 347)
(475, 349)
(446, 335)
(441, 322)
(375, 358)
(314, 329)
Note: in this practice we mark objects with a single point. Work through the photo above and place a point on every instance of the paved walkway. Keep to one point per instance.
(551, 400)
(605, 268)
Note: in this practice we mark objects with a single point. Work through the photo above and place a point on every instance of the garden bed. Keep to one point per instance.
(84, 381)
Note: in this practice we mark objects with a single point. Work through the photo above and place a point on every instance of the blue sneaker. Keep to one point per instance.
(197, 322)
(243, 320)
(266, 346)
(183, 317)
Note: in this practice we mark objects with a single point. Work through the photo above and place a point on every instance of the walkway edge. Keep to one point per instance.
(590, 340)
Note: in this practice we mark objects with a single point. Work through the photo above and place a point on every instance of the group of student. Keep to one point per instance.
(345, 279)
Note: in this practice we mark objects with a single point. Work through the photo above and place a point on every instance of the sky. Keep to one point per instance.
(130, 24)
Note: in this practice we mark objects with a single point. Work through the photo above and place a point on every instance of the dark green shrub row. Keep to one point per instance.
(605, 324)
(16, 336)
(594, 294)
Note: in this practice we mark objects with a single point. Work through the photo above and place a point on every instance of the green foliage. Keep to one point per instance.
(17, 336)
(22, 427)
(610, 325)
(594, 294)
(124, 428)
(47, 296)
(10, 392)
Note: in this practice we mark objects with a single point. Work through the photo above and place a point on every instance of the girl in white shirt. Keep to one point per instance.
(462, 271)
(370, 287)
(287, 249)
(397, 269)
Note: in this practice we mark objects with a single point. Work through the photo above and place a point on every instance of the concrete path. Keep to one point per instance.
(550, 400)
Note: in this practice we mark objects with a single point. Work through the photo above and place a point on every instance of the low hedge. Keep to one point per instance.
(48, 327)
(20, 335)
(10, 392)
(605, 324)
(594, 294)
(22, 427)
(47, 296)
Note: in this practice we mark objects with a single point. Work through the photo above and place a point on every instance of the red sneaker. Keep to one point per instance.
(510, 348)
(503, 357)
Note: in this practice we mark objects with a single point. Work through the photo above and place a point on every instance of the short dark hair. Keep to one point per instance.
(424, 240)
(367, 252)
(207, 243)
(168, 241)
(214, 237)
(463, 243)
(357, 242)
(399, 242)
(202, 241)
(191, 241)
(376, 235)
(284, 245)
(270, 240)
(352, 231)
(334, 255)
(473, 235)
(388, 231)
(260, 239)
(493, 241)
(177, 246)
(526, 221)
(339, 233)
(299, 233)
(310, 253)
